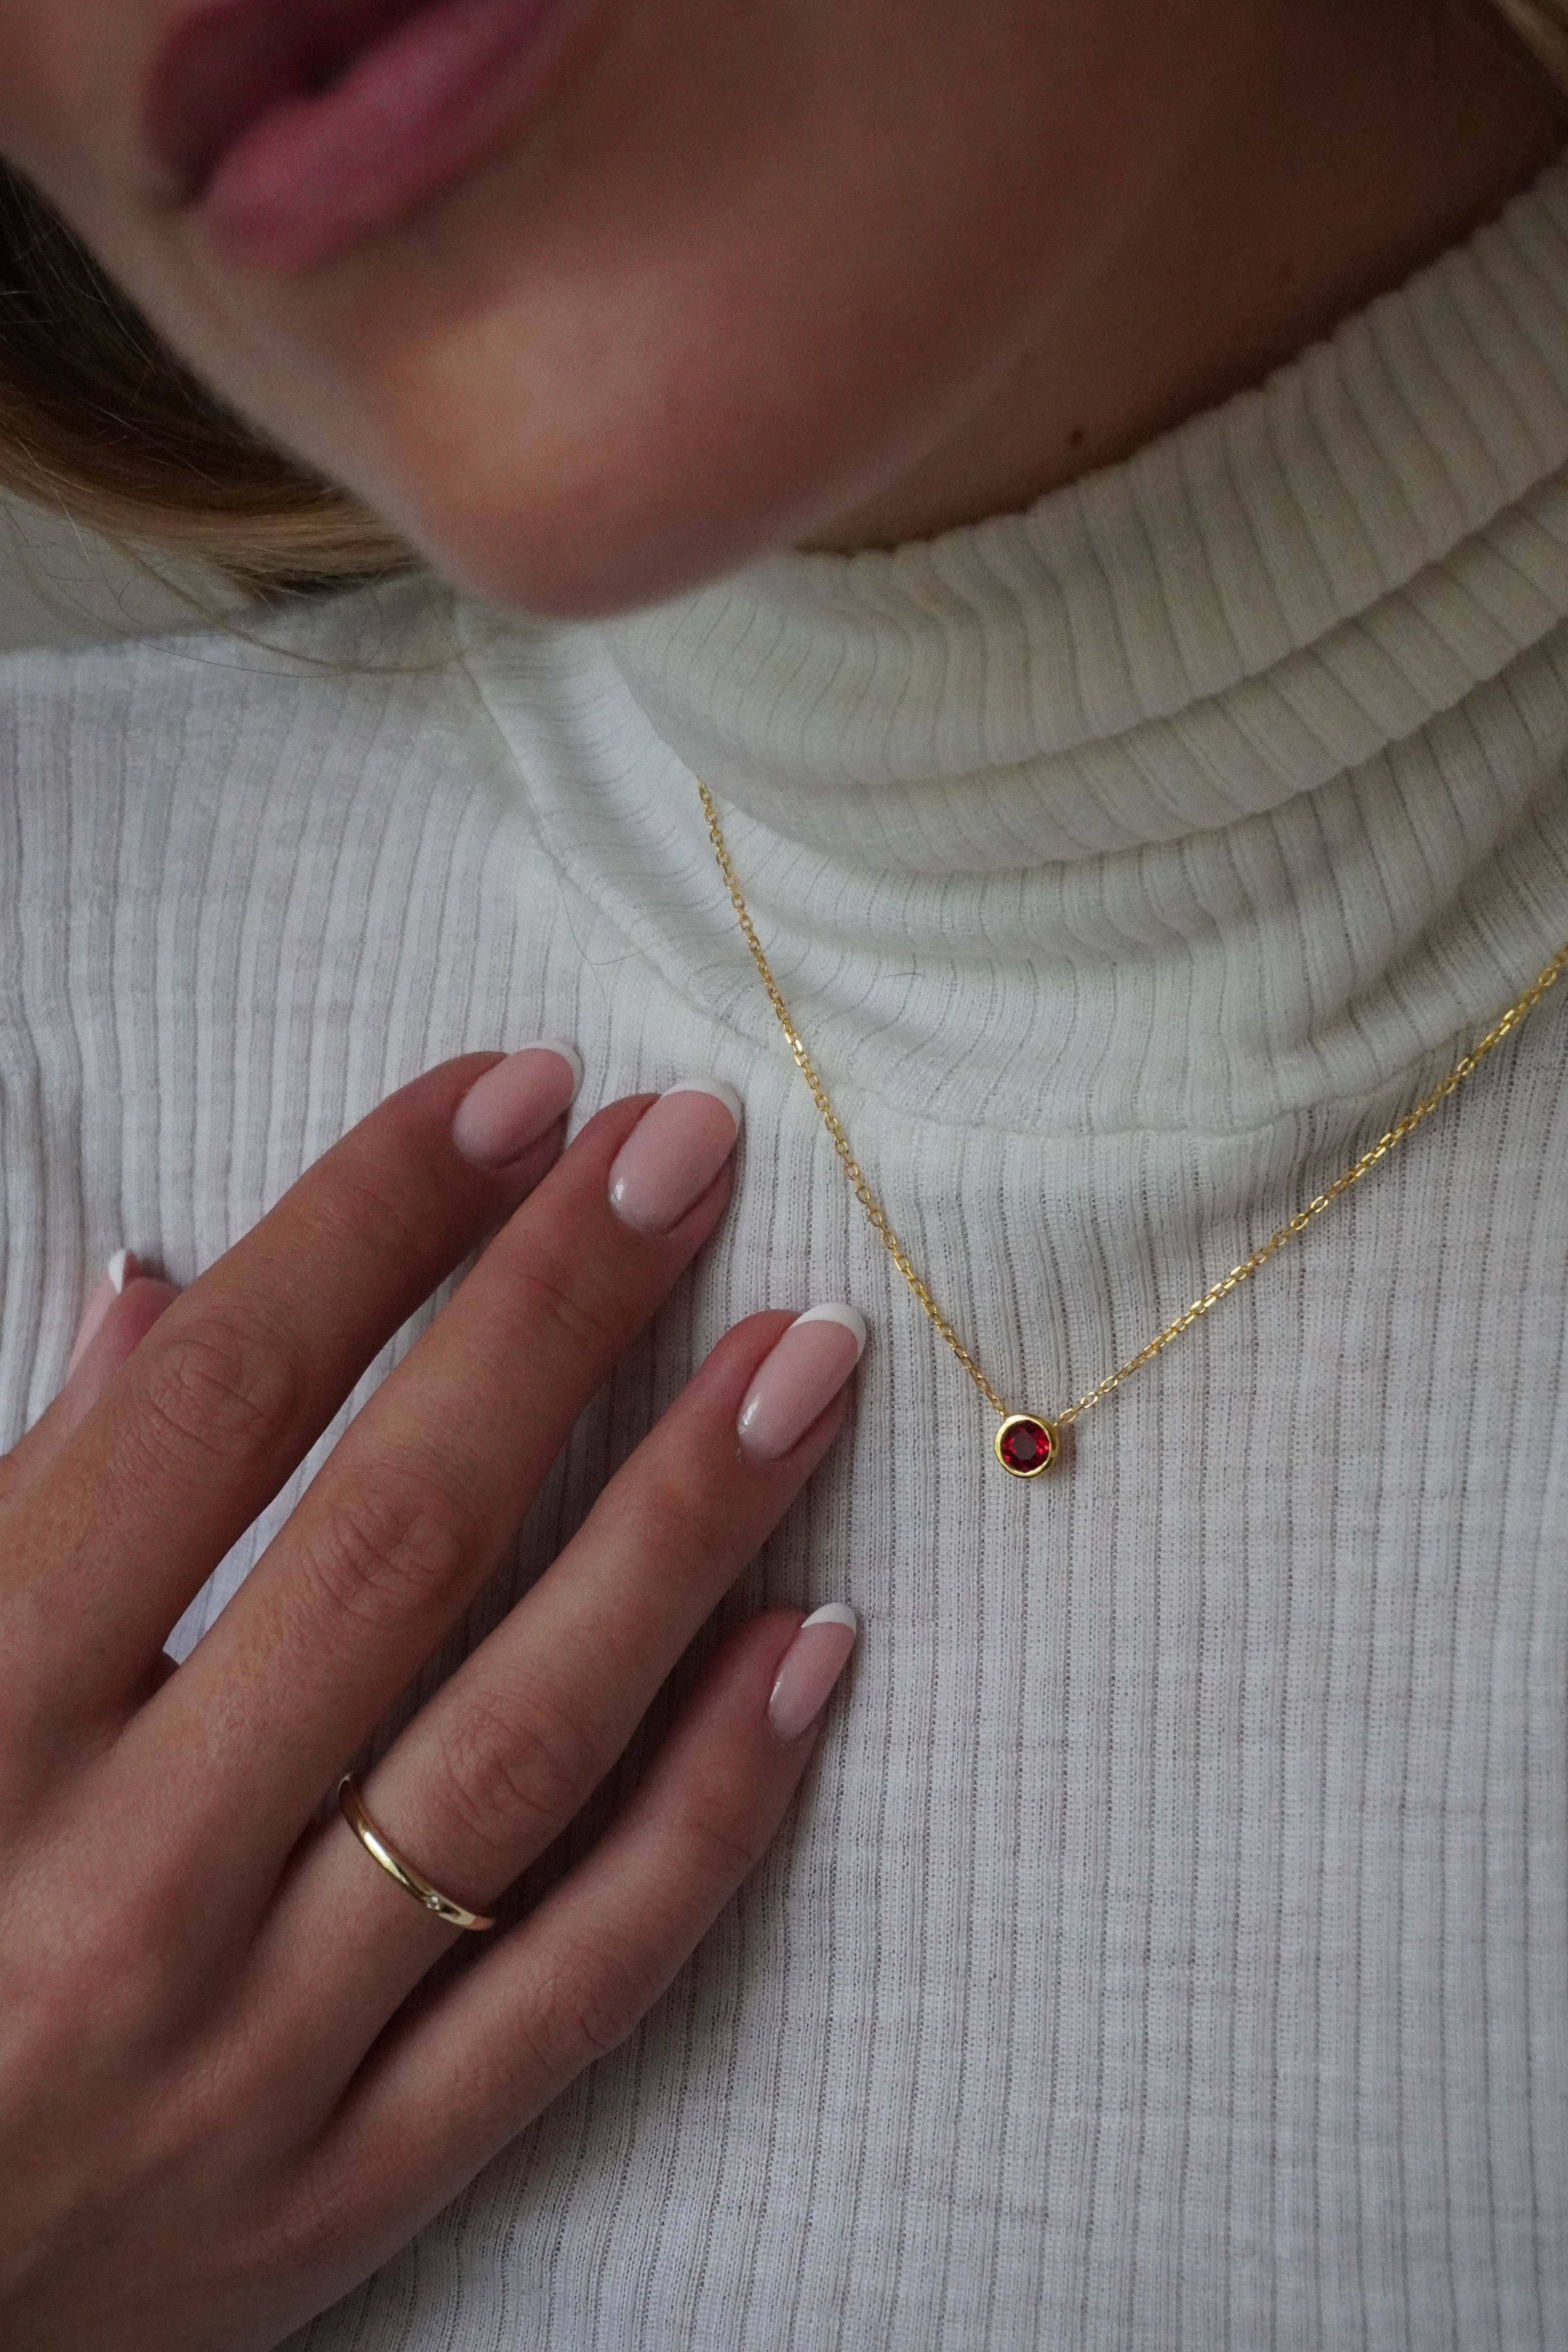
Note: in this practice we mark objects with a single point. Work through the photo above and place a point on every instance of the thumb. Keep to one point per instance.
(120, 1312)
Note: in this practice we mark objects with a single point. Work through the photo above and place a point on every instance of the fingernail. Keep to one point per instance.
(673, 1154)
(516, 1103)
(812, 1664)
(802, 1375)
(122, 1268)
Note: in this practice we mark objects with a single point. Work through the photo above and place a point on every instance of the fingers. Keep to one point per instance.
(458, 2078)
(415, 1505)
(508, 1751)
(242, 1372)
(122, 1268)
(122, 1309)
(505, 1755)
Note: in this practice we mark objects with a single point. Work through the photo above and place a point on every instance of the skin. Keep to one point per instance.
(217, 2113)
(831, 272)
(675, 320)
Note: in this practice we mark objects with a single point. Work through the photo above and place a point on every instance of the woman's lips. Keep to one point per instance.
(297, 127)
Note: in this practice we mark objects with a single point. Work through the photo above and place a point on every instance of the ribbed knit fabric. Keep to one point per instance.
(1172, 1946)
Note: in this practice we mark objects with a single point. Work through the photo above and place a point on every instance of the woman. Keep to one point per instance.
(1171, 1945)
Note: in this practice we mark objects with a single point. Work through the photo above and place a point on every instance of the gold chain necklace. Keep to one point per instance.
(1027, 1442)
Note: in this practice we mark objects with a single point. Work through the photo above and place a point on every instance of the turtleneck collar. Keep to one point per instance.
(1232, 770)
(1275, 590)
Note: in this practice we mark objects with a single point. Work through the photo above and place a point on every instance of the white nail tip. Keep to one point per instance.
(834, 1613)
(714, 1086)
(852, 1323)
(117, 1266)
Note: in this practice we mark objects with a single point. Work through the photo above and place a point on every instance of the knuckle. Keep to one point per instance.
(372, 1193)
(510, 1777)
(106, 1985)
(217, 1392)
(383, 1548)
(588, 2003)
(300, 2231)
(723, 1842)
(684, 1515)
(573, 1301)
(663, 1515)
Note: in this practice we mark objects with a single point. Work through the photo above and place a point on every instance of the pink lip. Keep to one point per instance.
(298, 127)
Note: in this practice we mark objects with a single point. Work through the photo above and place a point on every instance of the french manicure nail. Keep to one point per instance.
(811, 1665)
(122, 1268)
(798, 1378)
(673, 1154)
(516, 1103)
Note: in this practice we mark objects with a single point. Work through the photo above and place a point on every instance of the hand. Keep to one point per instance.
(219, 2108)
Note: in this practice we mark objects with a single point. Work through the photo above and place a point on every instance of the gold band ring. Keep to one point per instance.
(428, 1898)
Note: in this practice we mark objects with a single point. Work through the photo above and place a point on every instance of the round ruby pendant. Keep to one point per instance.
(1025, 1445)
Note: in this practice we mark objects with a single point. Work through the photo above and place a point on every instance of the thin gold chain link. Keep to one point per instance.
(1503, 1027)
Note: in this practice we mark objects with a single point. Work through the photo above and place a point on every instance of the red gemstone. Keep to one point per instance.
(1025, 1445)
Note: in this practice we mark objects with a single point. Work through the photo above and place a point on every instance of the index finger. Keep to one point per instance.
(199, 1430)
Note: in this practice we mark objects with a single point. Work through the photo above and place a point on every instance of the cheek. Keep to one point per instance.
(66, 70)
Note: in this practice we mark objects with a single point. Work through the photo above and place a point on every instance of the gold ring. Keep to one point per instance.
(429, 1899)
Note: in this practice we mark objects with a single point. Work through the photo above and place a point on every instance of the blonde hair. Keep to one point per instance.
(1542, 26)
(98, 418)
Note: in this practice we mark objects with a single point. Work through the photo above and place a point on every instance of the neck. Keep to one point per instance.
(1331, 148)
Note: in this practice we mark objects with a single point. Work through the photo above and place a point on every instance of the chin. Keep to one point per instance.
(562, 558)
(586, 525)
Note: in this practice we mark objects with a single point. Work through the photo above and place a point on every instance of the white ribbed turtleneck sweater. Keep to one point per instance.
(1172, 1947)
